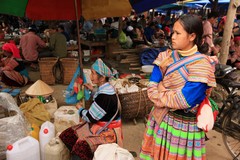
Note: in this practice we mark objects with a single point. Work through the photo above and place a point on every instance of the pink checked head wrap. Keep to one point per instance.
(10, 47)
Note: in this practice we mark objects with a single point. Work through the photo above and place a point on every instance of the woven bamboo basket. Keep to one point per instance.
(69, 68)
(135, 104)
(46, 65)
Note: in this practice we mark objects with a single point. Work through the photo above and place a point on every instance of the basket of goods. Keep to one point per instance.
(69, 66)
(46, 66)
(133, 98)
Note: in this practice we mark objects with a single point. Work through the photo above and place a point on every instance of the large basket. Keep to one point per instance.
(46, 65)
(135, 104)
(69, 68)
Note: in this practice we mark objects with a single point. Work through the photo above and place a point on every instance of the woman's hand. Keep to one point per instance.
(79, 105)
(88, 86)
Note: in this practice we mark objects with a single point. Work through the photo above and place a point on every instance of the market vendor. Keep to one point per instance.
(12, 69)
(31, 44)
(102, 122)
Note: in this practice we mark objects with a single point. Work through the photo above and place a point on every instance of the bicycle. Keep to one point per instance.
(228, 119)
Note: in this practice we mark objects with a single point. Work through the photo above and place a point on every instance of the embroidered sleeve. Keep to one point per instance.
(103, 108)
(11, 64)
(187, 97)
(162, 61)
(94, 114)
(162, 97)
(202, 71)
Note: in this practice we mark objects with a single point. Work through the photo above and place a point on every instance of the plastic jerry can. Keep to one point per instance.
(56, 150)
(47, 132)
(35, 131)
(65, 117)
(26, 148)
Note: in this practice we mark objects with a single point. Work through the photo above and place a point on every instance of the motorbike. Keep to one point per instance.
(224, 74)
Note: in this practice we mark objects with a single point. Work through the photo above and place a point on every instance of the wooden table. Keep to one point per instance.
(91, 44)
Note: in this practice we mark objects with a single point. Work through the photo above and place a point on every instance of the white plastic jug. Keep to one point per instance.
(24, 149)
(56, 150)
(47, 132)
(65, 117)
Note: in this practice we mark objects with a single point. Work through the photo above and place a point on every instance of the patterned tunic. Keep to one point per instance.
(171, 132)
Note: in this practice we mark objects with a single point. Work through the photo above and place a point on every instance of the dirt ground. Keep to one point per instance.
(133, 133)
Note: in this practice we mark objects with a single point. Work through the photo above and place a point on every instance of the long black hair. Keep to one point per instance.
(193, 24)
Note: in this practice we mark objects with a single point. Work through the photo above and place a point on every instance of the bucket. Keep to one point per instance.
(24, 149)
(65, 117)
(47, 132)
(56, 150)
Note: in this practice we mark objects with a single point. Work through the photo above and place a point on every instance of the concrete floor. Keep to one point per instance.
(133, 134)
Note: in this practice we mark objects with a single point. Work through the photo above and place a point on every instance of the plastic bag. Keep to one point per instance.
(14, 126)
(70, 96)
(122, 38)
(112, 151)
(207, 114)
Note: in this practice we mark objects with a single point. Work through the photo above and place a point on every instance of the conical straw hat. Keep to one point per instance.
(39, 88)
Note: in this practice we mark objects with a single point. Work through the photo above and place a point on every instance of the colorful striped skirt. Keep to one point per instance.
(176, 138)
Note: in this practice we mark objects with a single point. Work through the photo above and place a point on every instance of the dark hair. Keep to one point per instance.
(33, 28)
(61, 27)
(212, 15)
(193, 24)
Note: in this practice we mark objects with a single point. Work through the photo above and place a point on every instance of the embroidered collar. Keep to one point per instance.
(106, 88)
(189, 52)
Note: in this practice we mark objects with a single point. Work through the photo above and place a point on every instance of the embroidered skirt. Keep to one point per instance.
(176, 138)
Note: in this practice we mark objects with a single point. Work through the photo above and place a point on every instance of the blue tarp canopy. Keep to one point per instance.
(144, 5)
(207, 1)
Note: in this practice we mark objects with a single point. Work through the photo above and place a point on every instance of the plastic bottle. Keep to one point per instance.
(56, 150)
(24, 149)
(47, 132)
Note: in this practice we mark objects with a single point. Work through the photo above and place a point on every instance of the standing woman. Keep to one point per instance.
(103, 122)
(171, 132)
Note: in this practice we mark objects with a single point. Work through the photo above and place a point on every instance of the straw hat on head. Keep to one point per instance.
(39, 88)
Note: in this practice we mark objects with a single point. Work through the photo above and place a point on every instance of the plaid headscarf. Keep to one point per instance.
(101, 68)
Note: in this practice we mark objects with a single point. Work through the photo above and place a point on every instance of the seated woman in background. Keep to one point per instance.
(102, 120)
(12, 69)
